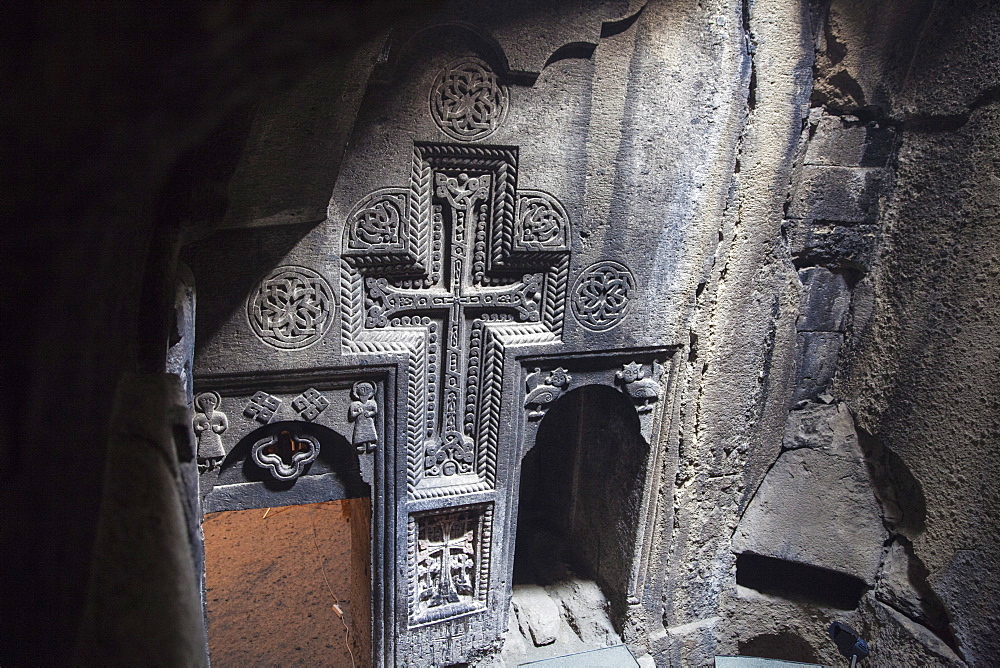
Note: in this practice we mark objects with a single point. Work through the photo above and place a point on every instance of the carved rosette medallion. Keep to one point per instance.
(467, 101)
(285, 455)
(376, 223)
(291, 308)
(602, 295)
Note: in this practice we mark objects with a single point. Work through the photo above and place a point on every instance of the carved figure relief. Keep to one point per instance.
(541, 393)
(310, 404)
(209, 424)
(448, 562)
(455, 324)
(285, 455)
(602, 294)
(642, 390)
(362, 412)
(262, 407)
(467, 101)
(291, 308)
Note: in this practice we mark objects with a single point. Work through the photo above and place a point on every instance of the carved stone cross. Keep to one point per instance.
(451, 272)
(445, 556)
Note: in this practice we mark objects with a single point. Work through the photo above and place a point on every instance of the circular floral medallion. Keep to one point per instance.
(602, 294)
(467, 100)
(291, 308)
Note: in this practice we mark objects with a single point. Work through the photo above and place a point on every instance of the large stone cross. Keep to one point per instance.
(452, 271)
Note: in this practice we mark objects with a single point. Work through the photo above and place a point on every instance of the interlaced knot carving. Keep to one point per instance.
(541, 223)
(291, 308)
(467, 101)
(379, 224)
(602, 294)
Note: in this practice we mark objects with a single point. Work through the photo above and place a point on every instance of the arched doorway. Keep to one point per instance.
(579, 510)
(288, 581)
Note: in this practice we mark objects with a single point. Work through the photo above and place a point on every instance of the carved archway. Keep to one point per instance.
(581, 492)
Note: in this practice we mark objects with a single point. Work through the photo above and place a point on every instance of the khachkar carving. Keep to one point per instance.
(291, 308)
(262, 407)
(285, 455)
(468, 103)
(362, 412)
(310, 404)
(456, 285)
(643, 390)
(209, 424)
(602, 295)
(448, 551)
(543, 391)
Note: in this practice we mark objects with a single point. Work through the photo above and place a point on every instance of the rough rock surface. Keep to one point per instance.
(537, 614)
(565, 617)
(816, 505)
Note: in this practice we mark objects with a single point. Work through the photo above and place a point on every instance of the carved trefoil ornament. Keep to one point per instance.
(285, 455)
(362, 412)
(541, 390)
(642, 389)
(602, 295)
(376, 223)
(449, 570)
(262, 407)
(291, 308)
(467, 100)
(541, 222)
(310, 404)
(458, 289)
(209, 424)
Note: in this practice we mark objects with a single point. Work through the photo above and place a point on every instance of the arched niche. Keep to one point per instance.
(580, 497)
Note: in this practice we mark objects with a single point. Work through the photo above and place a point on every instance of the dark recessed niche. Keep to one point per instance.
(784, 646)
(799, 582)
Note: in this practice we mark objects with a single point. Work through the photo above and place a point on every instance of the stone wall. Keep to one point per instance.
(835, 289)
(879, 348)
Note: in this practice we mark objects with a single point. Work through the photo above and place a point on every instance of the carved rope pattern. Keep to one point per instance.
(554, 299)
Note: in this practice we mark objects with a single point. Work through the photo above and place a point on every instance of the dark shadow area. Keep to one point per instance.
(785, 646)
(799, 582)
(581, 492)
(572, 50)
(612, 28)
(895, 484)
